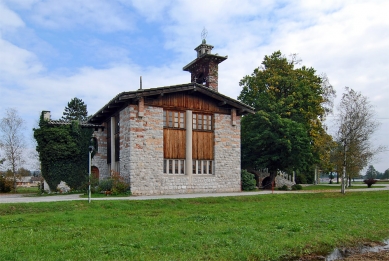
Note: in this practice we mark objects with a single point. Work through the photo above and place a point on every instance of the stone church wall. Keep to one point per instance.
(141, 156)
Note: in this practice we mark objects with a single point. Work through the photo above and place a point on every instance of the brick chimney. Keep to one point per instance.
(204, 69)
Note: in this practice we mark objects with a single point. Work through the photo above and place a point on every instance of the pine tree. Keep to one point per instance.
(75, 110)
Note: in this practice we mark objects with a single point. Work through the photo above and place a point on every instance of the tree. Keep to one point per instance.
(371, 173)
(287, 131)
(11, 131)
(24, 172)
(356, 125)
(385, 175)
(75, 110)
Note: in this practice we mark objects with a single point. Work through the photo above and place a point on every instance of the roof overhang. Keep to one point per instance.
(124, 98)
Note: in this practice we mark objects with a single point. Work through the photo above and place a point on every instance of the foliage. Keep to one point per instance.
(106, 184)
(297, 187)
(287, 131)
(284, 187)
(63, 152)
(12, 140)
(247, 180)
(371, 172)
(369, 182)
(24, 172)
(75, 110)
(261, 227)
(115, 184)
(5, 185)
(385, 175)
(356, 125)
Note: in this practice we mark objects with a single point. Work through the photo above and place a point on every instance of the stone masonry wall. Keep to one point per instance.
(141, 144)
(227, 153)
(100, 158)
(141, 156)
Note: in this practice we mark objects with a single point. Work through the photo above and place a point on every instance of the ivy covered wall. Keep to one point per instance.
(63, 152)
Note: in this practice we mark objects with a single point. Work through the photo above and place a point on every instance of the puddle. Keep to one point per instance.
(345, 252)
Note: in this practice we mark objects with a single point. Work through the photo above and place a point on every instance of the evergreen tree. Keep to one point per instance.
(75, 110)
(371, 173)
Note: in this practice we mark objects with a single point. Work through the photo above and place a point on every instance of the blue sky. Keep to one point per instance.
(52, 51)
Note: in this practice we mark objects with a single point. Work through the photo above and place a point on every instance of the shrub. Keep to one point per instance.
(6, 185)
(106, 184)
(369, 182)
(297, 187)
(115, 184)
(248, 180)
(284, 187)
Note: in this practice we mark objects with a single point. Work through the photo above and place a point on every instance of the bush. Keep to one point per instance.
(297, 187)
(248, 180)
(284, 187)
(106, 184)
(115, 184)
(369, 182)
(6, 185)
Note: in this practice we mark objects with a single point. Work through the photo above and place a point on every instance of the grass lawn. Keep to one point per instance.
(24, 190)
(262, 227)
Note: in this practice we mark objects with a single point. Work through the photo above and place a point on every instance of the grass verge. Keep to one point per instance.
(262, 227)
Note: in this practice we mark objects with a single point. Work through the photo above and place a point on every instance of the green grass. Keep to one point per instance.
(262, 227)
(338, 187)
(26, 190)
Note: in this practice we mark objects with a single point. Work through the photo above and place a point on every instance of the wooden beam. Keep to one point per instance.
(222, 103)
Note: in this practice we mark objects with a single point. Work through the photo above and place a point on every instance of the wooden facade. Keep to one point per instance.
(174, 143)
(183, 101)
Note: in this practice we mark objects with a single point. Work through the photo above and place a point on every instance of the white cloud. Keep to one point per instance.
(98, 15)
(9, 20)
(347, 40)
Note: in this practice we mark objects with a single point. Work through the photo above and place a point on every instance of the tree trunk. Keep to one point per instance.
(269, 181)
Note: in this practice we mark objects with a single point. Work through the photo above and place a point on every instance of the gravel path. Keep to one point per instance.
(20, 198)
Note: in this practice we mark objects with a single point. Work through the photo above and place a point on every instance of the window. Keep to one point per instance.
(117, 137)
(202, 122)
(174, 166)
(202, 166)
(174, 119)
(109, 141)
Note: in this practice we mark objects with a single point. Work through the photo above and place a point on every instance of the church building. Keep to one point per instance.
(173, 139)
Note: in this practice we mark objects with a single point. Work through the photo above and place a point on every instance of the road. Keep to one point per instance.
(21, 198)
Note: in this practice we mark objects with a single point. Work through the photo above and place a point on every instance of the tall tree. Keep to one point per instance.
(75, 110)
(371, 172)
(291, 103)
(356, 126)
(12, 140)
(385, 175)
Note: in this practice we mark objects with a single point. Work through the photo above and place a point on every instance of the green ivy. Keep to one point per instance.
(63, 152)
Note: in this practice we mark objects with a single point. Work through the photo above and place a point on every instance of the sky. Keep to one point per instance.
(52, 51)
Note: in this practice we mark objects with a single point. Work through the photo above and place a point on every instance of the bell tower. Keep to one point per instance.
(204, 69)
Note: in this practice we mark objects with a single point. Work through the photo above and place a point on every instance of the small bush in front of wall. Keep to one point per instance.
(248, 180)
(297, 187)
(284, 187)
(115, 184)
(369, 182)
(106, 184)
